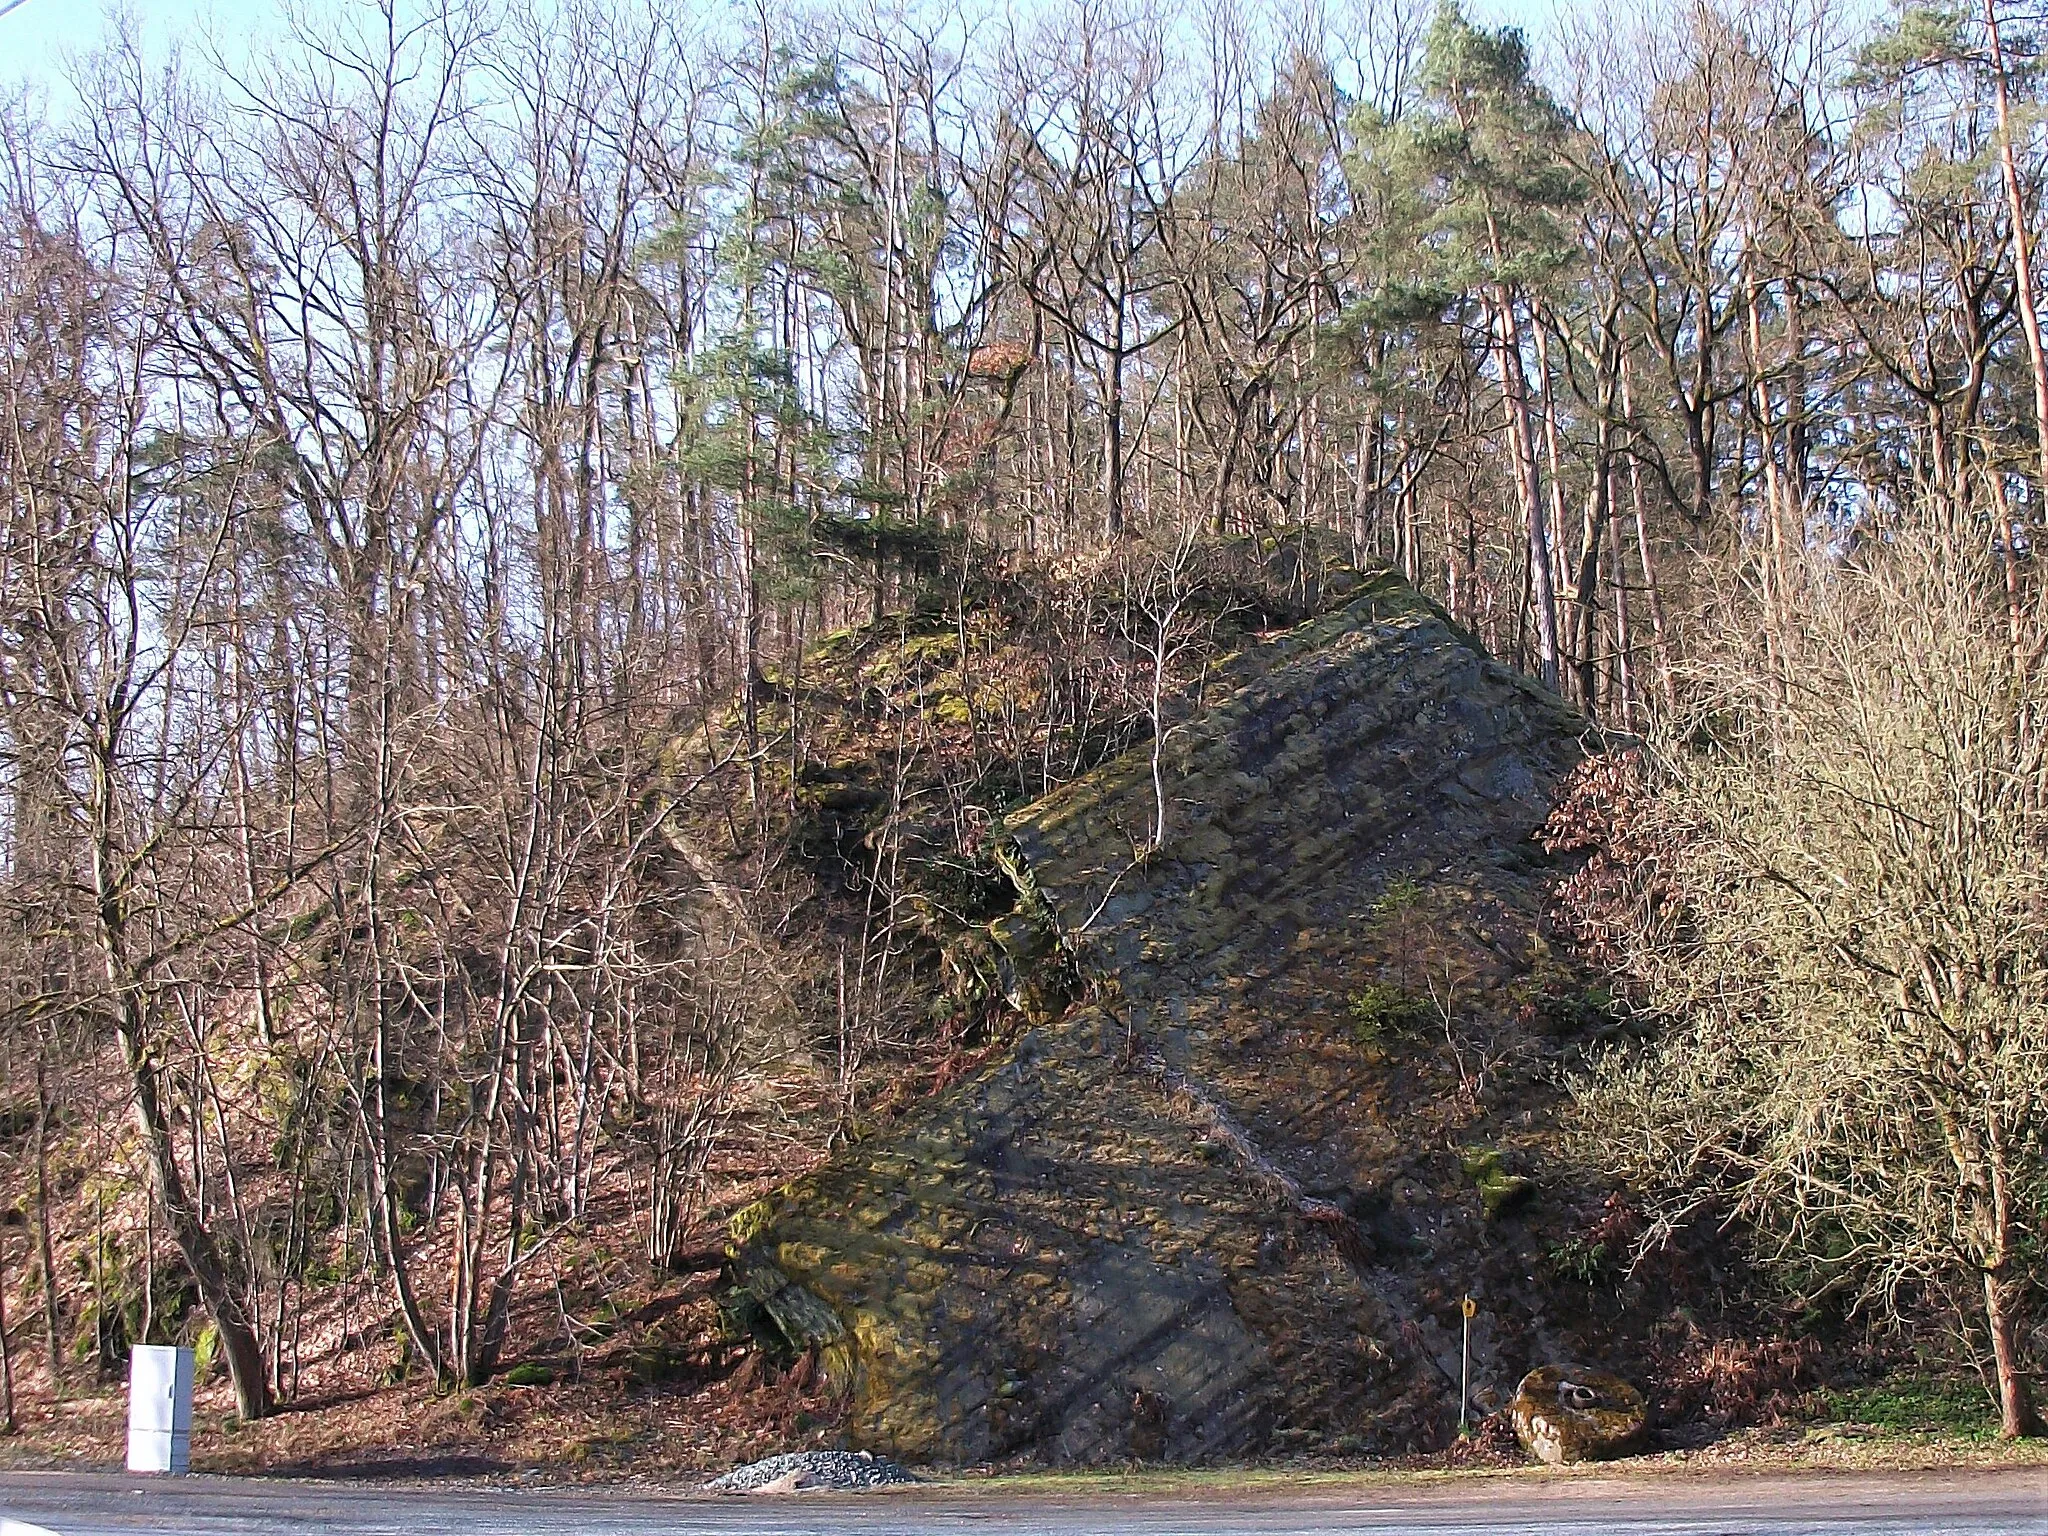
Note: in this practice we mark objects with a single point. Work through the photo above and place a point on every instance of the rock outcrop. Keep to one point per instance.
(1216, 1208)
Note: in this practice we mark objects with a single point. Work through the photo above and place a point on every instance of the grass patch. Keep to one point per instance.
(1918, 1405)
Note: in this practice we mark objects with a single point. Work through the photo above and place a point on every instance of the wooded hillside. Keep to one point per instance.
(536, 551)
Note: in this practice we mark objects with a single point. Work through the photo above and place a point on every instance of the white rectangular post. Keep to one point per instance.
(159, 1409)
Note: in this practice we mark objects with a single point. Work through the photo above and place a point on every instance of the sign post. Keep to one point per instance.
(1469, 1308)
(160, 1409)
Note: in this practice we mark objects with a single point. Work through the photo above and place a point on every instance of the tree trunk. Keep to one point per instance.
(1586, 587)
(1661, 652)
(1113, 447)
(53, 1322)
(1761, 411)
(1622, 679)
(2016, 1415)
(2008, 565)
(202, 1257)
(1699, 454)
(6, 1352)
(2022, 254)
(1515, 385)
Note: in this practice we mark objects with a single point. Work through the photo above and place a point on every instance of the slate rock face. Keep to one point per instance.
(1138, 1234)
(1567, 1413)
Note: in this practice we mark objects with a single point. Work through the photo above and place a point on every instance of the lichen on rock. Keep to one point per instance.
(1567, 1413)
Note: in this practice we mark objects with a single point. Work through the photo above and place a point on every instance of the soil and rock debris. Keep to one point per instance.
(801, 1470)
(1229, 1202)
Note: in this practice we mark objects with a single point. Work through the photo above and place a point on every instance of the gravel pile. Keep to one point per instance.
(812, 1469)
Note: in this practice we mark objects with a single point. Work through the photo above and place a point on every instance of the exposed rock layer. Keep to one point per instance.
(1213, 1211)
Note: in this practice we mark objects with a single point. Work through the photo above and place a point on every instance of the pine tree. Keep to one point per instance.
(1478, 190)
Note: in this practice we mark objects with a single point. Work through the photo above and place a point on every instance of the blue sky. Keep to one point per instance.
(36, 32)
(37, 35)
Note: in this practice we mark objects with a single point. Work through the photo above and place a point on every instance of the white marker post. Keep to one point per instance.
(159, 1409)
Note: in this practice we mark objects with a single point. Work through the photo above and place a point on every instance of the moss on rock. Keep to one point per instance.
(1500, 1192)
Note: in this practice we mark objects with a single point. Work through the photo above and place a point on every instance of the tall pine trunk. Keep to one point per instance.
(1528, 479)
(2022, 249)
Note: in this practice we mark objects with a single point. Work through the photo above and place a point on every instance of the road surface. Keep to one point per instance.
(1813, 1504)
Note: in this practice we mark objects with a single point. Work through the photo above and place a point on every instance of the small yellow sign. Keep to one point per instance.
(1471, 1307)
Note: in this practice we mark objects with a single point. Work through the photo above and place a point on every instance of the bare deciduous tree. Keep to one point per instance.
(1845, 931)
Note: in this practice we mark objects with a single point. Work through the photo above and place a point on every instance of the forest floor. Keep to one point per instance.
(592, 1433)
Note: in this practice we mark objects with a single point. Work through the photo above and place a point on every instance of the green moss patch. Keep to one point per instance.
(1500, 1192)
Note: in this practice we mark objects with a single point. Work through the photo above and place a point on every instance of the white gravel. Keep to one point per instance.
(812, 1469)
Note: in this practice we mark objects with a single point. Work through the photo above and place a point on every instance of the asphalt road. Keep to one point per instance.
(1813, 1504)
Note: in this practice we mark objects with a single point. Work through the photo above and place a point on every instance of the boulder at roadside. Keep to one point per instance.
(1565, 1413)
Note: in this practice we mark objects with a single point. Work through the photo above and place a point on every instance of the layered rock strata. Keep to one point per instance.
(1216, 1208)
